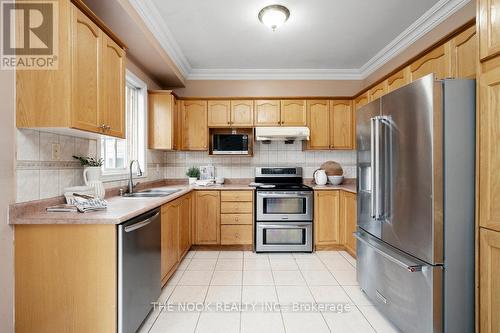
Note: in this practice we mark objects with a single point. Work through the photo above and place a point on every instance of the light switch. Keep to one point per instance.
(56, 151)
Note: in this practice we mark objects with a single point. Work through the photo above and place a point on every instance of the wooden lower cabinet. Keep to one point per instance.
(66, 278)
(489, 281)
(236, 217)
(185, 222)
(207, 218)
(169, 238)
(348, 220)
(335, 220)
(327, 217)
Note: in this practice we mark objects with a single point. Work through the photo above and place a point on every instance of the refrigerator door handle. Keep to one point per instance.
(376, 186)
(373, 168)
(400, 260)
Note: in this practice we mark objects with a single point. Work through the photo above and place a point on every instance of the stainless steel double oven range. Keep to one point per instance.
(283, 211)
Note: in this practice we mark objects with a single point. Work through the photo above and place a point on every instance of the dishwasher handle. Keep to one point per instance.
(141, 224)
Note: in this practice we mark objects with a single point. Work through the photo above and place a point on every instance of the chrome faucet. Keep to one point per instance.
(139, 173)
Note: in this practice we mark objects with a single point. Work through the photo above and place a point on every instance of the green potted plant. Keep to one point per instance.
(193, 173)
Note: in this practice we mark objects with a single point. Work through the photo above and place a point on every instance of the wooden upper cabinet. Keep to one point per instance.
(293, 113)
(489, 281)
(360, 101)
(267, 113)
(488, 28)
(437, 61)
(348, 220)
(399, 79)
(242, 113)
(86, 91)
(207, 217)
(341, 124)
(162, 119)
(378, 91)
(318, 121)
(169, 237)
(194, 125)
(327, 218)
(113, 88)
(177, 125)
(489, 137)
(86, 72)
(219, 113)
(464, 55)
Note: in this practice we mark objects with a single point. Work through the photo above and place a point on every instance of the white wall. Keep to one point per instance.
(7, 196)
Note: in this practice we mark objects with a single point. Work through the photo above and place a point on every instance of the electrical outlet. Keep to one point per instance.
(56, 151)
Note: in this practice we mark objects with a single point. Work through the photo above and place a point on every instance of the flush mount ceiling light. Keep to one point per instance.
(274, 15)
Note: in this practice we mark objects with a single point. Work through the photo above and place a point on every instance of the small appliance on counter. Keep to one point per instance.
(284, 211)
(207, 172)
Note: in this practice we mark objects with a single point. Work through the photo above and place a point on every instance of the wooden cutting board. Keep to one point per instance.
(332, 168)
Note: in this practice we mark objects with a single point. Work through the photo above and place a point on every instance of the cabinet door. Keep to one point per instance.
(293, 113)
(361, 100)
(341, 125)
(86, 69)
(399, 79)
(242, 113)
(318, 121)
(177, 125)
(378, 91)
(348, 220)
(489, 281)
(169, 237)
(326, 218)
(437, 61)
(194, 125)
(489, 138)
(267, 113)
(489, 28)
(184, 225)
(161, 120)
(113, 88)
(219, 114)
(464, 55)
(207, 225)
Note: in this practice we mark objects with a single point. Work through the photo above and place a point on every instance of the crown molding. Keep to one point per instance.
(274, 74)
(431, 19)
(154, 22)
(428, 21)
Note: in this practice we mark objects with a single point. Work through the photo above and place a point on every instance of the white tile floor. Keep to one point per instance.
(237, 277)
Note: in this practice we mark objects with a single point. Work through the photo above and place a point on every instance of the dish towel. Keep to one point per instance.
(86, 205)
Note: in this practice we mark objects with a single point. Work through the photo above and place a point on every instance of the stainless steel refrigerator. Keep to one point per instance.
(415, 236)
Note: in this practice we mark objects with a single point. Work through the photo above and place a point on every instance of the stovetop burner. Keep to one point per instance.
(280, 178)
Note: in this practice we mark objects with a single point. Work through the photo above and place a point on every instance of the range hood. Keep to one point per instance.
(281, 133)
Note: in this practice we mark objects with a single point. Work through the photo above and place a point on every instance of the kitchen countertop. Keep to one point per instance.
(121, 209)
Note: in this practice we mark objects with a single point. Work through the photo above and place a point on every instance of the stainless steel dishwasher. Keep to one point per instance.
(139, 265)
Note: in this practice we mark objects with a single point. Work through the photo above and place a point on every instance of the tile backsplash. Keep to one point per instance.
(273, 154)
(38, 176)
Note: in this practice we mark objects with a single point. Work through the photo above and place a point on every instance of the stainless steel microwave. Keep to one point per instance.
(233, 144)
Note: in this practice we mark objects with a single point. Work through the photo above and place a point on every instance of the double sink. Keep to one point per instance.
(152, 193)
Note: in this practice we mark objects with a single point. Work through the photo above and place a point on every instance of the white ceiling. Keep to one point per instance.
(323, 38)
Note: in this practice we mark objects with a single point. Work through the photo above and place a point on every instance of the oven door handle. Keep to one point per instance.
(279, 226)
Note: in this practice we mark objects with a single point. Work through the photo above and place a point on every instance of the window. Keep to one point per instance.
(117, 153)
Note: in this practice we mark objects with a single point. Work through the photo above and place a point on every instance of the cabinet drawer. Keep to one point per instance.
(236, 219)
(236, 195)
(236, 207)
(235, 234)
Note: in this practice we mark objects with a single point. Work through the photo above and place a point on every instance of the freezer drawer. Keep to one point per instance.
(406, 290)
